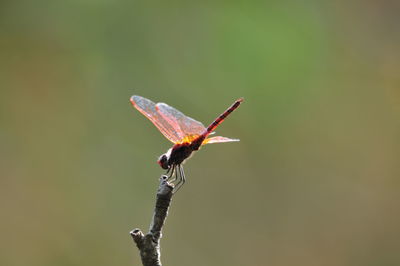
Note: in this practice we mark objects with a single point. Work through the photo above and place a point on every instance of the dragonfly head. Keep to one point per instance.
(163, 160)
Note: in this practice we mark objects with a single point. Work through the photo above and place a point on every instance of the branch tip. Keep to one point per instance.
(135, 231)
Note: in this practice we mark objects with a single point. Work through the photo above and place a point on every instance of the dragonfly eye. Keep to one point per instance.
(163, 162)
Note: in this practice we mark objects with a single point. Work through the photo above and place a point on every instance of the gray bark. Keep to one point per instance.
(149, 244)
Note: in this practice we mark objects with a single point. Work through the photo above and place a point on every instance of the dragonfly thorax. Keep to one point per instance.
(176, 155)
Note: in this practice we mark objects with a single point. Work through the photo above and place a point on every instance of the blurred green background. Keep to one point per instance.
(314, 180)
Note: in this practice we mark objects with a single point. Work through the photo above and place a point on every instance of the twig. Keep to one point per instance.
(149, 244)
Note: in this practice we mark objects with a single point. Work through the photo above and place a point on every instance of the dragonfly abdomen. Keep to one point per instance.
(222, 117)
(179, 153)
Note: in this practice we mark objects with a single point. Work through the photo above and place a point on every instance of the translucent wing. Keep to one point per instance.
(218, 139)
(148, 108)
(187, 125)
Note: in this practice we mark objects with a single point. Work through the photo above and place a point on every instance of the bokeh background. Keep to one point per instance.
(314, 180)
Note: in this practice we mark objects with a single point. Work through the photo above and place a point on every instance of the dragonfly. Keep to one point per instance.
(187, 134)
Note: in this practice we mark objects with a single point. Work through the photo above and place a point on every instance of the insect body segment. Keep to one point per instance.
(222, 117)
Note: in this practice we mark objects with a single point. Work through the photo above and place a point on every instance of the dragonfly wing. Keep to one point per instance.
(188, 126)
(218, 139)
(148, 108)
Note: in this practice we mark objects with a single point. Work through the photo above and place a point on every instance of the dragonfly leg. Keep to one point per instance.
(169, 169)
(170, 173)
(177, 178)
(182, 174)
(182, 179)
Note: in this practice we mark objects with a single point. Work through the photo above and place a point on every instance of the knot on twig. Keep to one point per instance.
(138, 237)
(165, 188)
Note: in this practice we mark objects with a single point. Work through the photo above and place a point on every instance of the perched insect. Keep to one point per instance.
(186, 133)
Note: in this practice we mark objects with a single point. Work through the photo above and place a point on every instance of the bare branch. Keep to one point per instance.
(149, 244)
